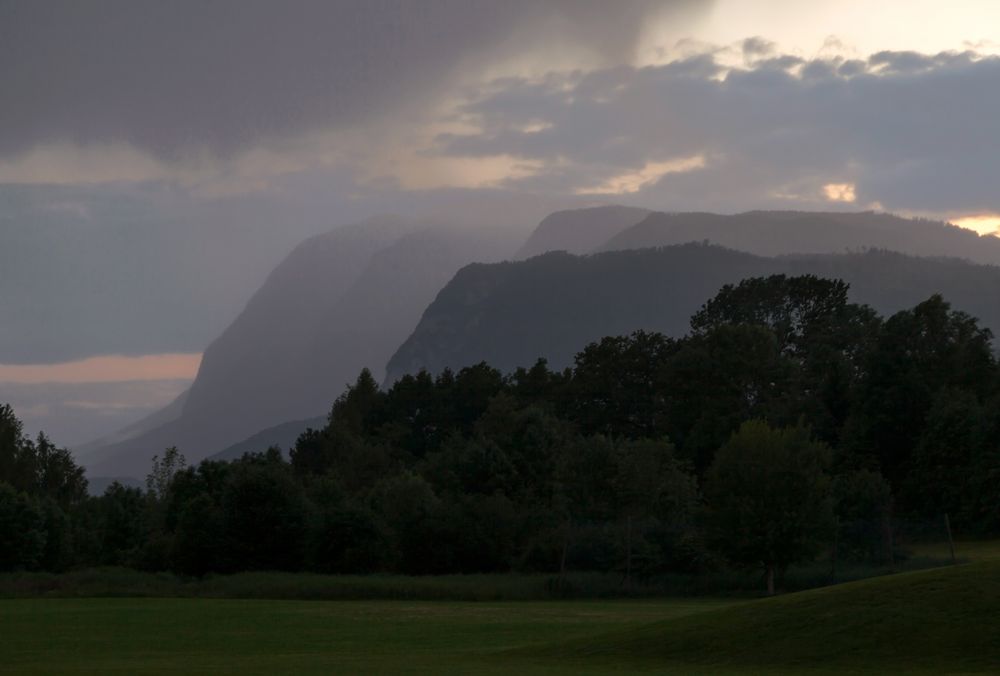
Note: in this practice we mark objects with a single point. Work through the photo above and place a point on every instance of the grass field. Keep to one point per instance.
(208, 636)
(938, 621)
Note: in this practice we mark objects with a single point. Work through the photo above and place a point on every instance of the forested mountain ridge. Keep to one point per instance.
(512, 313)
(771, 233)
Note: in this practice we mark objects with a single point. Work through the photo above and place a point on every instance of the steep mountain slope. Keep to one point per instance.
(386, 302)
(771, 233)
(510, 314)
(579, 230)
(338, 303)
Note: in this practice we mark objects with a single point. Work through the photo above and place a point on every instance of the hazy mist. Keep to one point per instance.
(158, 161)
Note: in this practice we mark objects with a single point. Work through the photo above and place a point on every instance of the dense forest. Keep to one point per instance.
(786, 419)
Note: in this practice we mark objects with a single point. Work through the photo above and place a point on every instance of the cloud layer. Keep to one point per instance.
(898, 130)
(179, 79)
(227, 97)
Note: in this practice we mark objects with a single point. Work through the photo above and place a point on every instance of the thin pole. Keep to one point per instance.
(951, 542)
(891, 549)
(565, 551)
(833, 557)
(628, 554)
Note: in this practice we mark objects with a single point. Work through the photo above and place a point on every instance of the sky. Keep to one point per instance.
(158, 159)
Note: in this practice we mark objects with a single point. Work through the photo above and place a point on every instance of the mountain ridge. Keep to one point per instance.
(511, 314)
(580, 230)
(771, 233)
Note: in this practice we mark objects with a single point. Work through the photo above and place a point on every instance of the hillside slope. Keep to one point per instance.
(510, 314)
(928, 622)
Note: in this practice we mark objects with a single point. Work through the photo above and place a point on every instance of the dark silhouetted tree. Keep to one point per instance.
(768, 496)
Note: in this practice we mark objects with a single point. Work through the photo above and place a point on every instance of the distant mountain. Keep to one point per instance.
(510, 314)
(772, 233)
(339, 302)
(97, 485)
(349, 298)
(96, 450)
(283, 436)
(579, 230)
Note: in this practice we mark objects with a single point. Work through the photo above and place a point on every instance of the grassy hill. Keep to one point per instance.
(938, 621)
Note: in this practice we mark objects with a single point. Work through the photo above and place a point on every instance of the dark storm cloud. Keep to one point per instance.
(182, 76)
(912, 131)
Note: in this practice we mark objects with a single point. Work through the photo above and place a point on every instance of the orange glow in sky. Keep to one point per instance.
(109, 369)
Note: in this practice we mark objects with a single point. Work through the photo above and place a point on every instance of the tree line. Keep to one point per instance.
(787, 418)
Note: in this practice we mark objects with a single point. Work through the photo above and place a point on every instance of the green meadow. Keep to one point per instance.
(944, 620)
(211, 636)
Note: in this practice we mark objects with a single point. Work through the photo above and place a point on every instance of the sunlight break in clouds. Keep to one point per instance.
(839, 192)
(860, 26)
(984, 224)
(779, 132)
(109, 369)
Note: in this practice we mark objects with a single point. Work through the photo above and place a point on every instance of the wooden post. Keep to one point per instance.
(565, 551)
(628, 553)
(833, 555)
(951, 542)
(890, 547)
